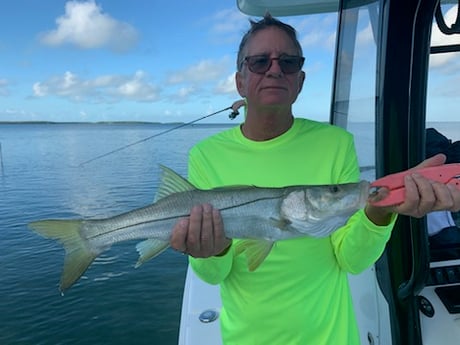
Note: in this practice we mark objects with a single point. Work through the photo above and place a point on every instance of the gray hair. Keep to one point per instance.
(266, 22)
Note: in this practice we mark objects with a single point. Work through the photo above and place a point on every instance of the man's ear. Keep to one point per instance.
(239, 81)
(301, 81)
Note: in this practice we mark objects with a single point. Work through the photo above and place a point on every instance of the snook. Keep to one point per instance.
(259, 215)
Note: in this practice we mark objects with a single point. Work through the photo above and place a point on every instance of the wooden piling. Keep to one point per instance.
(1, 160)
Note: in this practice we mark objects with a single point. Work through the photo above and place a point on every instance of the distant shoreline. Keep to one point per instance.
(147, 123)
(113, 123)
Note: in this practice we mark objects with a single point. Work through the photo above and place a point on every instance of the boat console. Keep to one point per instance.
(439, 301)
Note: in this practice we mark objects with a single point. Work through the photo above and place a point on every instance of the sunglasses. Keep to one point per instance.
(260, 64)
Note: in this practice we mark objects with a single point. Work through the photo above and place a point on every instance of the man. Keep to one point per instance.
(444, 234)
(300, 293)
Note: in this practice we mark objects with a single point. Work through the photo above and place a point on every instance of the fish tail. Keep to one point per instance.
(78, 252)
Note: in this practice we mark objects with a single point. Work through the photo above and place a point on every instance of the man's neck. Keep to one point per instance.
(266, 127)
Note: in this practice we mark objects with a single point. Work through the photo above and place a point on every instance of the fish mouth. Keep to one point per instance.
(365, 193)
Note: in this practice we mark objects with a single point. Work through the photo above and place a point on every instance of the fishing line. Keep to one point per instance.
(234, 107)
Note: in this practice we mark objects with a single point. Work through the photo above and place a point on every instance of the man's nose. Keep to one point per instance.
(275, 68)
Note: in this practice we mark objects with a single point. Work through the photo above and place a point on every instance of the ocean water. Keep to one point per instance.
(113, 303)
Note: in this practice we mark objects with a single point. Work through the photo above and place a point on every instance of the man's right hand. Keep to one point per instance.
(201, 235)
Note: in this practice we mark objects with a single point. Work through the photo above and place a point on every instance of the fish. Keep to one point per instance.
(257, 216)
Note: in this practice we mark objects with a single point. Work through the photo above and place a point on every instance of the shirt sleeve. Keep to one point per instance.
(360, 242)
(213, 270)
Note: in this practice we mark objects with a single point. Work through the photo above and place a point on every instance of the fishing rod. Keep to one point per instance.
(234, 107)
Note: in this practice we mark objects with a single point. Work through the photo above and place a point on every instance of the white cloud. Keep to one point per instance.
(227, 85)
(366, 36)
(137, 88)
(317, 31)
(205, 70)
(86, 26)
(312, 38)
(203, 78)
(230, 22)
(83, 115)
(13, 114)
(107, 88)
(4, 87)
(184, 93)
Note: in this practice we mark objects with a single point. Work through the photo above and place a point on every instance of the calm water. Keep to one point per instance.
(113, 303)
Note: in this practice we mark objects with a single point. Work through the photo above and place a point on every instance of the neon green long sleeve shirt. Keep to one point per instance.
(300, 293)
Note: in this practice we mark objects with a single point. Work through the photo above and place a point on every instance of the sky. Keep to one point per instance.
(144, 60)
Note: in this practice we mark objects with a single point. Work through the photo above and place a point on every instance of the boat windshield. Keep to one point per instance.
(442, 123)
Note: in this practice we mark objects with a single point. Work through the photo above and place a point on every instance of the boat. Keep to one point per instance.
(406, 298)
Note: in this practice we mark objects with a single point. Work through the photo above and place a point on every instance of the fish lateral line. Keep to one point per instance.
(178, 216)
(95, 236)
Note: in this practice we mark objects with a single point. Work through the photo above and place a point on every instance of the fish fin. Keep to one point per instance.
(281, 223)
(78, 254)
(171, 183)
(150, 248)
(256, 251)
(319, 229)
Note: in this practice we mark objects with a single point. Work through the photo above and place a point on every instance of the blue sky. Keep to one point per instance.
(142, 60)
(146, 61)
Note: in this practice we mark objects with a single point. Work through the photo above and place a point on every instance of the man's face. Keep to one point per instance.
(274, 87)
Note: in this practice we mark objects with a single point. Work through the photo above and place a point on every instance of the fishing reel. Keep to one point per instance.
(235, 106)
